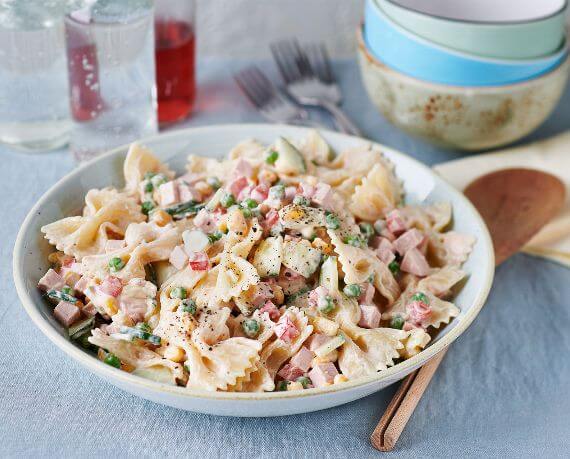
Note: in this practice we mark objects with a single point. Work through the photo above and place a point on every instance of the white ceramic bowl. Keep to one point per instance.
(66, 198)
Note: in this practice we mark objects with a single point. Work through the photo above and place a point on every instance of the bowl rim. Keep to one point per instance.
(363, 47)
(113, 374)
(457, 54)
(544, 18)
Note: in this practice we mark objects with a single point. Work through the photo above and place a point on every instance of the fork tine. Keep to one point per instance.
(283, 58)
(301, 59)
(251, 81)
(320, 62)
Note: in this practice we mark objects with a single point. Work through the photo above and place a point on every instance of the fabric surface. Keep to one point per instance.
(550, 155)
(501, 391)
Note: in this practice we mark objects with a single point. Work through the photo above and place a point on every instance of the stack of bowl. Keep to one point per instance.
(465, 74)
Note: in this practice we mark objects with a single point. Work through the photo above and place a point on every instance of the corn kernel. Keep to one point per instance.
(160, 217)
(111, 305)
(278, 295)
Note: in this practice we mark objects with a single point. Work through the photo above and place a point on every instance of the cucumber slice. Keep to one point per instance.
(157, 373)
(290, 160)
(319, 149)
(301, 257)
(268, 257)
(329, 274)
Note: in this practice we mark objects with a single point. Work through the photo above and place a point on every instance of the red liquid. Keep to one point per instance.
(175, 69)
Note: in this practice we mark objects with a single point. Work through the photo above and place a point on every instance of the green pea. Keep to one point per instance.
(250, 327)
(148, 187)
(305, 382)
(251, 203)
(179, 292)
(189, 306)
(397, 322)
(147, 207)
(214, 182)
(301, 201)
(366, 229)
(227, 200)
(282, 386)
(67, 290)
(332, 221)
(271, 157)
(325, 304)
(116, 264)
(394, 267)
(352, 290)
(419, 296)
(354, 241)
(215, 236)
(247, 213)
(113, 360)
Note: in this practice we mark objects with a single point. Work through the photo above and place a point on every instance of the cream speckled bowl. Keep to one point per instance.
(66, 197)
(469, 118)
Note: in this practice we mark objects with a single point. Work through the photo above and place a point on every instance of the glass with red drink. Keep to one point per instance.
(175, 58)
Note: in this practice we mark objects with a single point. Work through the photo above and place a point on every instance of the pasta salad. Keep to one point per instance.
(282, 267)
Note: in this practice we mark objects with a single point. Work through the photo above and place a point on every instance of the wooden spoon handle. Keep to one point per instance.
(403, 404)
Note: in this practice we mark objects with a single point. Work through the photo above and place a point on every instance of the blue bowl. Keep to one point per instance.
(425, 60)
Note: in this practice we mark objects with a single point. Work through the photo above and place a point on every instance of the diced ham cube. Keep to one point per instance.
(388, 234)
(205, 221)
(199, 261)
(168, 194)
(369, 316)
(245, 193)
(178, 257)
(242, 168)
(51, 281)
(66, 313)
(302, 359)
(318, 340)
(113, 245)
(81, 284)
(237, 185)
(307, 190)
(323, 374)
(410, 239)
(70, 277)
(134, 308)
(367, 294)
(111, 286)
(259, 193)
(415, 263)
(418, 311)
(384, 250)
(317, 294)
(323, 195)
(271, 309)
(286, 329)
(271, 218)
(187, 193)
(395, 222)
(290, 372)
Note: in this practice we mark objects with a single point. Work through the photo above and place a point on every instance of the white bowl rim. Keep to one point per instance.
(482, 22)
(111, 373)
(363, 46)
(561, 51)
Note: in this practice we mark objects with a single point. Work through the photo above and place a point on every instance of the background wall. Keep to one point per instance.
(244, 28)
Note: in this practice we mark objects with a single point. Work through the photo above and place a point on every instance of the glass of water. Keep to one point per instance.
(34, 106)
(110, 55)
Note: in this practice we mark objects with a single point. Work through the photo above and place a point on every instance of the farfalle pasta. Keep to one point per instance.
(284, 267)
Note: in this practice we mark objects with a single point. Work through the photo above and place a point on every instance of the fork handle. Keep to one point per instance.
(342, 121)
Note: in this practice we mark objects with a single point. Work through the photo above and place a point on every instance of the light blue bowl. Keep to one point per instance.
(425, 60)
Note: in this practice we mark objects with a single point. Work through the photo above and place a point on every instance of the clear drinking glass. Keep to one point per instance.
(175, 40)
(110, 55)
(34, 105)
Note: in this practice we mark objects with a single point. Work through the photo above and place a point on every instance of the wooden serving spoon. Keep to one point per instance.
(515, 204)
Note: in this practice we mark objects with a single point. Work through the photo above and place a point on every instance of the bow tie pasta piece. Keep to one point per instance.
(140, 161)
(250, 150)
(451, 248)
(440, 281)
(235, 276)
(416, 341)
(88, 235)
(145, 362)
(434, 217)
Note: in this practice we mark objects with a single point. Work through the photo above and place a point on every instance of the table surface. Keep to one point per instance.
(502, 390)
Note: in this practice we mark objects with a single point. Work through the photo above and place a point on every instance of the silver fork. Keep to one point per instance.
(310, 80)
(269, 101)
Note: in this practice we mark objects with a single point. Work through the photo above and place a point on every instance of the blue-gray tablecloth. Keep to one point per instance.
(502, 390)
